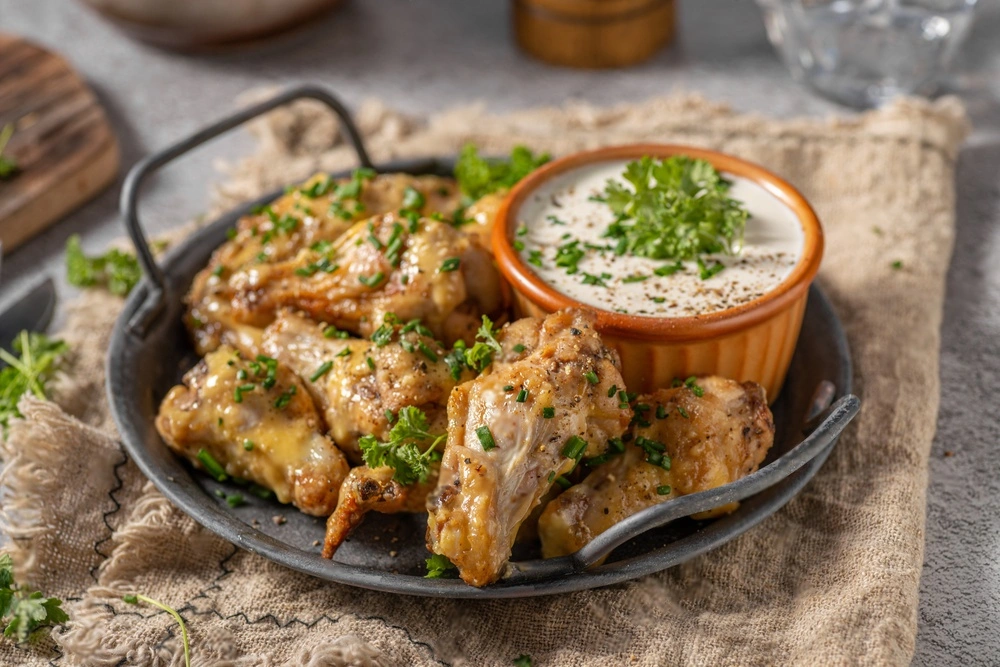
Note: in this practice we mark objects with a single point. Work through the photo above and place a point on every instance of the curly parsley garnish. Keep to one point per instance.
(29, 372)
(402, 452)
(478, 176)
(22, 611)
(438, 566)
(116, 270)
(677, 208)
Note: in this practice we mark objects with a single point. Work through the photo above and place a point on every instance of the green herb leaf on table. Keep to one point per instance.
(677, 208)
(523, 660)
(116, 270)
(478, 176)
(405, 450)
(38, 359)
(22, 611)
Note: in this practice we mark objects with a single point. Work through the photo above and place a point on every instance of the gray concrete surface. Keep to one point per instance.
(422, 54)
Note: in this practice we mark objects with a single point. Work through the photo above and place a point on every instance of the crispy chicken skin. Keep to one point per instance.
(725, 436)
(353, 394)
(315, 212)
(372, 490)
(481, 215)
(485, 492)
(270, 435)
(443, 277)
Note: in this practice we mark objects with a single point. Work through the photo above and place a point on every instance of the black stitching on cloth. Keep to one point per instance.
(111, 494)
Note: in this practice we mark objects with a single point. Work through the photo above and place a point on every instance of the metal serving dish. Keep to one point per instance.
(150, 350)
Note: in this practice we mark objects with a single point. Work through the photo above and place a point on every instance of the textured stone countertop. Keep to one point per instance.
(422, 54)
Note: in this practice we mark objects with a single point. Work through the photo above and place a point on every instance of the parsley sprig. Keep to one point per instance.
(677, 208)
(38, 359)
(403, 450)
(478, 176)
(116, 270)
(22, 611)
(438, 566)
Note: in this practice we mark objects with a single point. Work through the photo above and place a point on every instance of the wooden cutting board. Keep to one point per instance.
(62, 141)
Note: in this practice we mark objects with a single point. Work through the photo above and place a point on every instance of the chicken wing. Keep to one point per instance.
(681, 443)
(415, 268)
(545, 402)
(317, 212)
(372, 490)
(254, 420)
(357, 381)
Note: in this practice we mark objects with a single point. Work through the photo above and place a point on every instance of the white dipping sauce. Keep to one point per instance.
(772, 246)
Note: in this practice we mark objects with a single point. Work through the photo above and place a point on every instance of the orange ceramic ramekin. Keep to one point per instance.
(754, 341)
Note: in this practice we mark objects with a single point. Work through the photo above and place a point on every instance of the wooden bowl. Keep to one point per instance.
(753, 341)
(593, 33)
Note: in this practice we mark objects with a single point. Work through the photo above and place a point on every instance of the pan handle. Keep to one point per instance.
(153, 302)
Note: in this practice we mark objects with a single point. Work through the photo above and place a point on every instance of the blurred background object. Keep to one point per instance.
(201, 24)
(593, 33)
(866, 52)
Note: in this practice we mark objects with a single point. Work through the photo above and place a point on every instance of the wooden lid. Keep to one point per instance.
(593, 33)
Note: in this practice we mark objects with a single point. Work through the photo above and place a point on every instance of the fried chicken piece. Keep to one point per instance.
(480, 216)
(434, 273)
(705, 441)
(256, 421)
(355, 393)
(319, 211)
(512, 431)
(372, 490)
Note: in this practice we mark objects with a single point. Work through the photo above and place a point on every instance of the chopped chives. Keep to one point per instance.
(684, 413)
(563, 482)
(548, 413)
(663, 490)
(613, 390)
(240, 390)
(323, 369)
(370, 362)
(661, 412)
(261, 492)
(212, 467)
(371, 281)
(519, 348)
(427, 351)
(389, 416)
(248, 445)
(235, 500)
(285, 398)
(575, 447)
(508, 387)
(591, 377)
(522, 396)
(485, 438)
(552, 476)
(450, 264)
(346, 352)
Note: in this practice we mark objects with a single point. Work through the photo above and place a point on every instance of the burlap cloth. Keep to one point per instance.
(830, 579)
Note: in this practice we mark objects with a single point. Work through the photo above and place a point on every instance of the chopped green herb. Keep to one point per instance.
(706, 271)
(692, 384)
(548, 413)
(575, 447)
(658, 299)
(897, 265)
(518, 348)
(323, 369)
(455, 360)
(426, 350)
(219, 270)
(568, 256)
(235, 500)
(591, 377)
(656, 452)
(478, 176)
(116, 270)
(637, 278)
(522, 396)
(677, 208)
(346, 352)
(413, 199)
(669, 269)
(518, 245)
(485, 438)
(261, 492)
(38, 358)
(591, 279)
(663, 490)
(438, 566)
(390, 416)
(285, 398)
(370, 362)
(683, 412)
(248, 445)
(661, 412)
(402, 452)
(371, 281)
(508, 387)
(563, 482)
(22, 611)
(554, 220)
(613, 390)
(522, 230)
(535, 258)
(480, 355)
(212, 467)
(450, 264)
(616, 445)
(239, 390)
